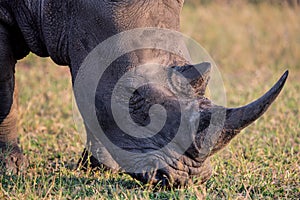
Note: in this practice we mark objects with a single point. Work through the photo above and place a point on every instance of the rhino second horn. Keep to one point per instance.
(239, 118)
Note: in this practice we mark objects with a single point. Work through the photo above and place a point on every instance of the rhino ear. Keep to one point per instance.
(197, 75)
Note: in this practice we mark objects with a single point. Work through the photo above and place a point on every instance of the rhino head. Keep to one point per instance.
(147, 114)
(165, 131)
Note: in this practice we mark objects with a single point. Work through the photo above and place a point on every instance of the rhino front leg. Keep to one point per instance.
(95, 156)
(11, 157)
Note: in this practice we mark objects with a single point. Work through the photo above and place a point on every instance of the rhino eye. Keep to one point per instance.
(118, 1)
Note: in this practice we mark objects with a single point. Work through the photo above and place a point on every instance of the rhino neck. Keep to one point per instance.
(22, 18)
(37, 21)
(154, 56)
(159, 14)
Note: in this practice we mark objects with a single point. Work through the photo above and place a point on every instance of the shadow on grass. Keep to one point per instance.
(67, 185)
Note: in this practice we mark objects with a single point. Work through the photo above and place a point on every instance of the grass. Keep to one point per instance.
(252, 46)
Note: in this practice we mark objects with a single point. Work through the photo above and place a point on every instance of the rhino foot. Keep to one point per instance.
(12, 159)
(88, 161)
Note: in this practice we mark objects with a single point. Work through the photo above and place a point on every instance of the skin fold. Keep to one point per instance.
(67, 31)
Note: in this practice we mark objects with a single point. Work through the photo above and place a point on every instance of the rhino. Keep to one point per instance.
(67, 32)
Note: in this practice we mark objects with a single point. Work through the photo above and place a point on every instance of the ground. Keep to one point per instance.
(252, 46)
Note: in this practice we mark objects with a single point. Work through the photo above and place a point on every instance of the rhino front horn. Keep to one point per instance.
(239, 118)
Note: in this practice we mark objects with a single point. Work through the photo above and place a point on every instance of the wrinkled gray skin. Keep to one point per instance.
(67, 30)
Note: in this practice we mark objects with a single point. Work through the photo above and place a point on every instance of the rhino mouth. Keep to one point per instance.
(177, 172)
